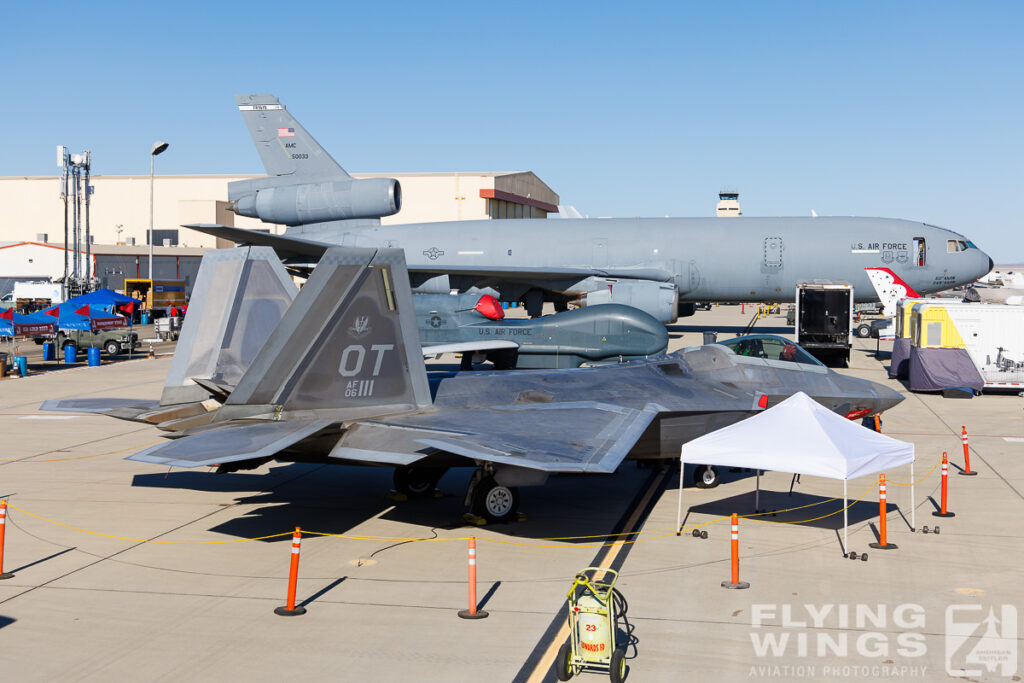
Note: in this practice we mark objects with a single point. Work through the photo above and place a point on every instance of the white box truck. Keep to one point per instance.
(992, 334)
(35, 296)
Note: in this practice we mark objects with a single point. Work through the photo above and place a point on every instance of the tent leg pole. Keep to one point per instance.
(679, 508)
(757, 493)
(913, 503)
(846, 540)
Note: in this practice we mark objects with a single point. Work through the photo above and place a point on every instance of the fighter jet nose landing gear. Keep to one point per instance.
(706, 477)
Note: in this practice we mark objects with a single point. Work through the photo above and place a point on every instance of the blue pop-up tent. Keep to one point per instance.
(27, 325)
(85, 317)
(106, 299)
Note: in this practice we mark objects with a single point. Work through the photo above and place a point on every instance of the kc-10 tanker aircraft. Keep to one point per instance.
(659, 265)
(336, 375)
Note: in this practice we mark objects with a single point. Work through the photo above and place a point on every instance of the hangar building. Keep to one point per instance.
(32, 218)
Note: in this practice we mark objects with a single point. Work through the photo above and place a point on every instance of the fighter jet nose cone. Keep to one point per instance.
(887, 398)
(991, 264)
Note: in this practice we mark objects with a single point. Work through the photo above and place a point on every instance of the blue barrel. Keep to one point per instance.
(49, 351)
(21, 362)
(94, 355)
(70, 353)
(144, 319)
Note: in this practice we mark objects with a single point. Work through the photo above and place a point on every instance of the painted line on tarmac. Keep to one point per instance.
(538, 666)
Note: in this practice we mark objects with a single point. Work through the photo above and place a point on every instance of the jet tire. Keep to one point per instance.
(417, 482)
(706, 477)
(504, 359)
(494, 502)
(563, 662)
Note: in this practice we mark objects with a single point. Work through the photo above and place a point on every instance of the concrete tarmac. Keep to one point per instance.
(126, 570)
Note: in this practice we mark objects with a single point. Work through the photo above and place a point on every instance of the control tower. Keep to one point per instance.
(728, 204)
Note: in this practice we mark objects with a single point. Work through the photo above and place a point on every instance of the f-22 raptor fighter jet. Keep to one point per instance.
(340, 379)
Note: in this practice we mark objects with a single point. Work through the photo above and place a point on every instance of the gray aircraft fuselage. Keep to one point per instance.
(562, 340)
(649, 263)
(708, 259)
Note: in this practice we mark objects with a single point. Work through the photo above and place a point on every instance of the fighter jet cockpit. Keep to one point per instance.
(769, 347)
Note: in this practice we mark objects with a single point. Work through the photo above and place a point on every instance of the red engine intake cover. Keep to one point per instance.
(489, 307)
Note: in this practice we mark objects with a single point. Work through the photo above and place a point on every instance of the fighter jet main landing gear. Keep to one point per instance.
(417, 482)
(493, 501)
(706, 477)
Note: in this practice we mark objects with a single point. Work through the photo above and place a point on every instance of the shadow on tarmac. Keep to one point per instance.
(6, 621)
(336, 499)
(778, 501)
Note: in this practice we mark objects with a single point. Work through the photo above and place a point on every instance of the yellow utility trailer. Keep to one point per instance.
(156, 294)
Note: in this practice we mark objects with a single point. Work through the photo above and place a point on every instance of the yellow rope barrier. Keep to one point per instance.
(142, 540)
(908, 483)
(814, 519)
(661, 533)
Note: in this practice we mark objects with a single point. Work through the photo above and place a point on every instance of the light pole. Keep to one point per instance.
(158, 147)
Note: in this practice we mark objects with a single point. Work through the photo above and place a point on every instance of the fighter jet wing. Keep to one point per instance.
(124, 408)
(238, 440)
(582, 436)
(131, 409)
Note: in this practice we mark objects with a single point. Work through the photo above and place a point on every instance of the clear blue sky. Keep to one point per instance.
(908, 109)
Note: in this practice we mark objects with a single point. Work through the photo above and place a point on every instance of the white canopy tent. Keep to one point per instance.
(801, 436)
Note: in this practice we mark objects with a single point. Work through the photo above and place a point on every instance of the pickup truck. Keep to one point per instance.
(111, 341)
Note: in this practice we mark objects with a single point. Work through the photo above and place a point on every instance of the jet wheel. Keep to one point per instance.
(706, 477)
(504, 359)
(494, 502)
(417, 482)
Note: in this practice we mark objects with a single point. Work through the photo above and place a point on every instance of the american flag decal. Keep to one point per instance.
(285, 132)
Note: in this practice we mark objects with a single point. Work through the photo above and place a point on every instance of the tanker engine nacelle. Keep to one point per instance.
(660, 299)
(322, 202)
